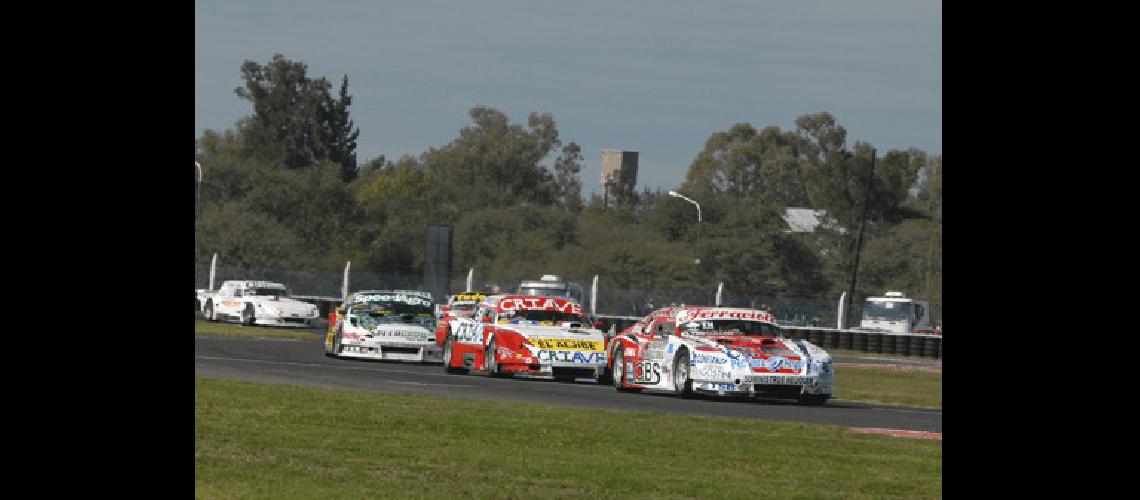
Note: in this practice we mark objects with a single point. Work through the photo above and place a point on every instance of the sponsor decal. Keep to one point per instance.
(686, 315)
(630, 352)
(391, 297)
(708, 359)
(776, 363)
(711, 373)
(569, 344)
(647, 373)
(717, 386)
(469, 297)
(670, 349)
(540, 304)
(572, 357)
(628, 371)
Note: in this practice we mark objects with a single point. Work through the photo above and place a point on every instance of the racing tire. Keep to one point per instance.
(617, 375)
(607, 375)
(813, 399)
(489, 364)
(682, 382)
(336, 348)
(247, 317)
(210, 311)
(447, 368)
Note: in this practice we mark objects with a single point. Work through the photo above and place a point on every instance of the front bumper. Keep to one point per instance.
(289, 322)
(394, 351)
(754, 384)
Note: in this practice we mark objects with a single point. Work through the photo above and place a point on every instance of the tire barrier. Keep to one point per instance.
(831, 339)
(874, 341)
(817, 337)
(887, 344)
(917, 345)
(902, 345)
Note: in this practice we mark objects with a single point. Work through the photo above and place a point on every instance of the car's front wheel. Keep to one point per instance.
(447, 368)
(682, 383)
(337, 347)
(247, 317)
(489, 363)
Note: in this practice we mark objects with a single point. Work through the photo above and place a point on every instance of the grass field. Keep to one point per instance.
(876, 385)
(206, 328)
(280, 441)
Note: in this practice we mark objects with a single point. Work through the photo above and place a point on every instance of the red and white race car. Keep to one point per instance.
(462, 305)
(720, 351)
(530, 335)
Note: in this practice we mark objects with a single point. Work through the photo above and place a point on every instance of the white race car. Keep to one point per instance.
(257, 303)
(719, 351)
(384, 324)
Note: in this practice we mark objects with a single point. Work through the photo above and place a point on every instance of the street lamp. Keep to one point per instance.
(683, 197)
(198, 188)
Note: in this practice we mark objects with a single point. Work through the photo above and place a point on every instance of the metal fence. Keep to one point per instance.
(789, 311)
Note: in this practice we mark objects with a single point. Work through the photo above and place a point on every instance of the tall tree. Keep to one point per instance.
(567, 178)
(296, 121)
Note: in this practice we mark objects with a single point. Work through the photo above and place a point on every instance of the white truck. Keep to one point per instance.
(550, 285)
(896, 313)
(257, 303)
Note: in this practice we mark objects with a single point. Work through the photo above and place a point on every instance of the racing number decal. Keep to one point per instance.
(646, 373)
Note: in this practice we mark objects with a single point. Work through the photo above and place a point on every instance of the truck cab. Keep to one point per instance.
(895, 313)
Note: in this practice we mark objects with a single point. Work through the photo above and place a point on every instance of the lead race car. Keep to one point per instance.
(384, 324)
(527, 335)
(721, 351)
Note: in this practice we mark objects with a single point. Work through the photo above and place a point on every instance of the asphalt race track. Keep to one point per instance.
(304, 362)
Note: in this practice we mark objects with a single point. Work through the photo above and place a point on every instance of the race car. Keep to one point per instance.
(718, 351)
(527, 335)
(257, 303)
(384, 324)
(460, 305)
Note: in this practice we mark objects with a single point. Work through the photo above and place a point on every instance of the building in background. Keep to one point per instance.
(619, 175)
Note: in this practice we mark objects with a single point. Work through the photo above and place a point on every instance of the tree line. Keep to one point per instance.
(284, 189)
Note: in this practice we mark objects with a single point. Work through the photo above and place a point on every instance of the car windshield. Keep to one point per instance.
(542, 317)
(886, 311)
(391, 317)
(462, 311)
(730, 327)
(266, 292)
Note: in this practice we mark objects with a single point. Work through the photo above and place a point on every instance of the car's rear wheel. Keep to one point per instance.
(247, 317)
(682, 383)
(210, 311)
(447, 368)
(489, 360)
(618, 372)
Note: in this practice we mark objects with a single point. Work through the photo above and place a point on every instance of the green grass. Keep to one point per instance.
(864, 354)
(875, 385)
(206, 328)
(281, 441)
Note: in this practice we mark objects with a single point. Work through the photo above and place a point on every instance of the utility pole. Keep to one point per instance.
(862, 224)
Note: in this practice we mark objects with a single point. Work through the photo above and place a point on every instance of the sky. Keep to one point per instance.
(656, 77)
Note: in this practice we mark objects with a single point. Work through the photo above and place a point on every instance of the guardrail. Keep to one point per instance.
(899, 344)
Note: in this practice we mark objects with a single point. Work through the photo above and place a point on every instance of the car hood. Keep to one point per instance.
(399, 332)
(535, 333)
(762, 354)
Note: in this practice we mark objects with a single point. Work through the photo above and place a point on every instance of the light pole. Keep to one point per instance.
(683, 197)
(198, 188)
